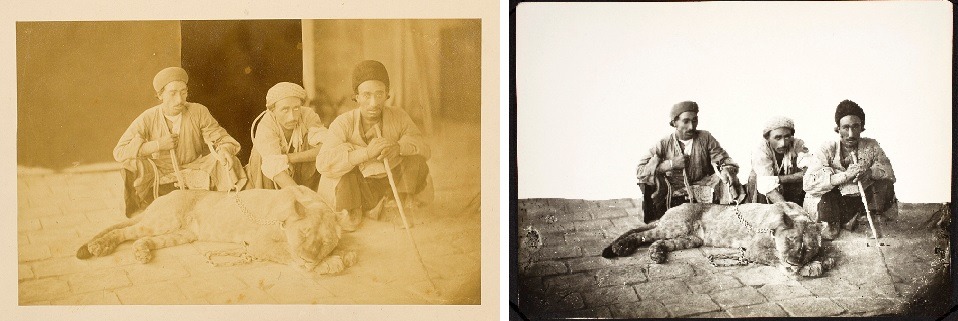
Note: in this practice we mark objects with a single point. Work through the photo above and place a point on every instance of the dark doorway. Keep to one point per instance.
(233, 63)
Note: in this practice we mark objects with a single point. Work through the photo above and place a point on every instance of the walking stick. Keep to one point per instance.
(176, 170)
(685, 177)
(231, 175)
(861, 190)
(402, 213)
(868, 214)
(688, 188)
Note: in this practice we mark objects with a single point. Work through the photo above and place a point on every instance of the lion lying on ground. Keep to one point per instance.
(288, 226)
(778, 234)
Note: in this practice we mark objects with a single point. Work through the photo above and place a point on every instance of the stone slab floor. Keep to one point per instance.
(59, 211)
(562, 275)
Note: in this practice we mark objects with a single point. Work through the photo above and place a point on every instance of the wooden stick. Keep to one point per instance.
(231, 175)
(861, 190)
(688, 188)
(176, 170)
(685, 176)
(215, 155)
(402, 213)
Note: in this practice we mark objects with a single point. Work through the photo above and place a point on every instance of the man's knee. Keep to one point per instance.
(881, 195)
(415, 162)
(882, 187)
(414, 174)
(349, 182)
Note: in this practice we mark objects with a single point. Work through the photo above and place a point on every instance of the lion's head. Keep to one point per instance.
(798, 246)
(311, 230)
(794, 244)
(310, 239)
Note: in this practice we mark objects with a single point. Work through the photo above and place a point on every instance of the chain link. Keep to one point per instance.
(739, 259)
(250, 215)
(243, 254)
(738, 215)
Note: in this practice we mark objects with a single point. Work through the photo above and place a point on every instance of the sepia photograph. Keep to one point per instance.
(189, 164)
(322, 164)
(713, 160)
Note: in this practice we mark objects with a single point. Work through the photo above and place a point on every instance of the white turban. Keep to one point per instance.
(778, 122)
(283, 90)
(168, 75)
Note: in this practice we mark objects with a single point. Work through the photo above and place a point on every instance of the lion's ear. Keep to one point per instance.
(299, 211)
(787, 220)
(307, 200)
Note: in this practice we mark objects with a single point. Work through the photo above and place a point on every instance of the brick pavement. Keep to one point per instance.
(59, 211)
(561, 272)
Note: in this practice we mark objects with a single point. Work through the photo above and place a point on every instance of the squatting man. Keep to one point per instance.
(179, 144)
(689, 164)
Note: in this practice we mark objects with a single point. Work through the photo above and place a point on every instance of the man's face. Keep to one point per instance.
(371, 97)
(850, 129)
(685, 124)
(287, 111)
(780, 139)
(174, 97)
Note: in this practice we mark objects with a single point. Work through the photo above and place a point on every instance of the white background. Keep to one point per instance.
(595, 84)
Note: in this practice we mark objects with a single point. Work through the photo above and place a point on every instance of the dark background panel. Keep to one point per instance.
(233, 63)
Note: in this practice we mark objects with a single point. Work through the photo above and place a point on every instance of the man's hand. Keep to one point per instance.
(376, 146)
(853, 171)
(678, 163)
(774, 196)
(227, 158)
(167, 142)
(726, 175)
(390, 151)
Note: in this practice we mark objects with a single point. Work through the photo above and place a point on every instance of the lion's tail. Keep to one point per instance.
(629, 241)
(83, 252)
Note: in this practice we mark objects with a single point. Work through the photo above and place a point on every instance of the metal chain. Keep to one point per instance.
(738, 215)
(250, 215)
(243, 254)
(739, 259)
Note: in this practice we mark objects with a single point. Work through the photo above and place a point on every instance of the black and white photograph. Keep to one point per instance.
(733, 160)
(307, 162)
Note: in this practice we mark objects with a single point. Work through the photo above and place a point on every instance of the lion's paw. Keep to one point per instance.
(657, 254)
(142, 251)
(101, 246)
(350, 258)
(333, 264)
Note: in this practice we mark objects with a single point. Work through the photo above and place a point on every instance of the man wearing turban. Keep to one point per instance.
(175, 131)
(831, 182)
(286, 141)
(686, 155)
(351, 162)
(778, 164)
